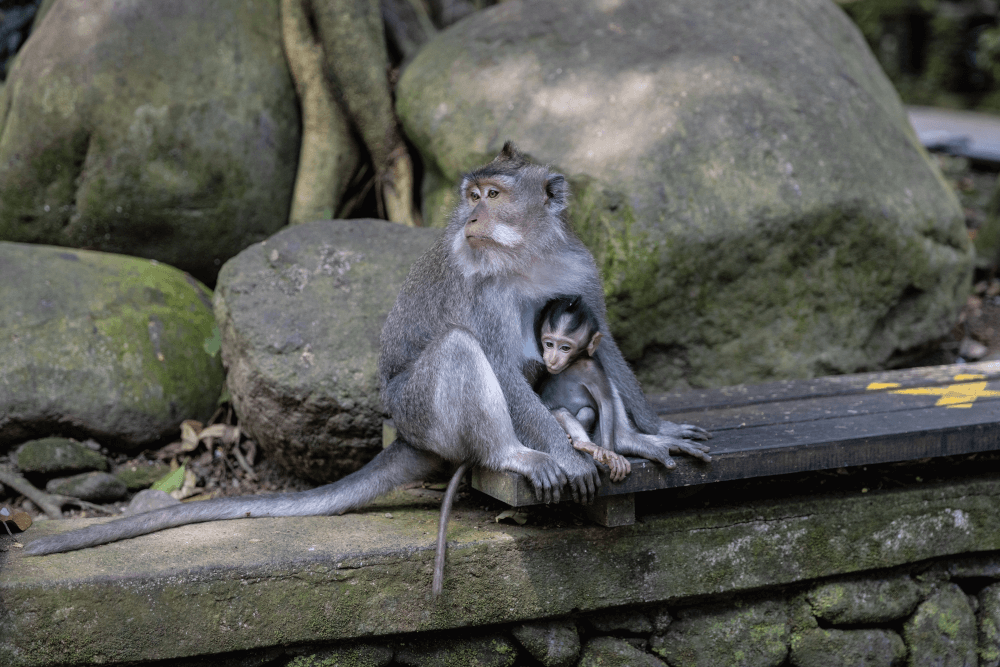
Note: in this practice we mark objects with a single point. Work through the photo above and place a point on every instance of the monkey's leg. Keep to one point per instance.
(586, 416)
(654, 447)
(453, 405)
(395, 465)
(576, 431)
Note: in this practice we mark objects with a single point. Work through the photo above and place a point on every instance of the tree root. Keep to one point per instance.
(345, 60)
(329, 154)
(50, 503)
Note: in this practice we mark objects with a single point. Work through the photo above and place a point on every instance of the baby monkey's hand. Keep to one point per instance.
(618, 464)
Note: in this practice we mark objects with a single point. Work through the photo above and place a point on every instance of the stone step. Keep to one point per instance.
(255, 584)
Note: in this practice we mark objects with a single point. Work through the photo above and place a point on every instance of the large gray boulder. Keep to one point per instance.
(167, 130)
(300, 316)
(99, 345)
(743, 172)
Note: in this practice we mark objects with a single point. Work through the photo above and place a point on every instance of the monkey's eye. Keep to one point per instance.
(492, 194)
(548, 344)
(564, 348)
(474, 195)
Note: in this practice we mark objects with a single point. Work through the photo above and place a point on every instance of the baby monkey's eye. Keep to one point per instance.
(492, 193)
(548, 344)
(564, 348)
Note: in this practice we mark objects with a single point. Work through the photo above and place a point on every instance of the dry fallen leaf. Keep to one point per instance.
(190, 429)
(20, 518)
(520, 516)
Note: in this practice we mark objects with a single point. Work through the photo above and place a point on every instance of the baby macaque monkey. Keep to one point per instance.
(576, 390)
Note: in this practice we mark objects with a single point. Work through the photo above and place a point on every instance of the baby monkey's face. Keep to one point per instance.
(562, 346)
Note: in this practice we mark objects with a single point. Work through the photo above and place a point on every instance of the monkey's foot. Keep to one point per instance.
(689, 431)
(616, 463)
(696, 449)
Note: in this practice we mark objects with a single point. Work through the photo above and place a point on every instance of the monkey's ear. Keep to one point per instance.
(556, 193)
(510, 153)
(594, 341)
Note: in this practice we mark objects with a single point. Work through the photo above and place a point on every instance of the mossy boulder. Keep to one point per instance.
(744, 174)
(167, 130)
(95, 487)
(300, 316)
(553, 643)
(57, 456)
(358, 655)
(848, 648)
(989, 626)
(942, 631)
(482, 651)
(101, 345)
(744, 634)
(140, 474)
(865, 601)
(612, 652)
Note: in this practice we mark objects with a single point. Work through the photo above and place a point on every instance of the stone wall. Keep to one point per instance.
(938, 612)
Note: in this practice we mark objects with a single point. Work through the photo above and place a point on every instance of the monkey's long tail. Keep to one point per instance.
(395, 465)
(442, 541)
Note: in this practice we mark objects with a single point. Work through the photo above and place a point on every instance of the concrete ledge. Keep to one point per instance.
(248, 584)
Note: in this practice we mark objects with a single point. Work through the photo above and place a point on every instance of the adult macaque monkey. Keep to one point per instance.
(575, 389)
(458, 363)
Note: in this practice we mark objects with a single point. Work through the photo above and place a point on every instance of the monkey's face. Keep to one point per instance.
(492, 221)
(561, 347)
(510, 215)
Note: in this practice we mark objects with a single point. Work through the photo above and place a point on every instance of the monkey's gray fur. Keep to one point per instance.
(459, 358)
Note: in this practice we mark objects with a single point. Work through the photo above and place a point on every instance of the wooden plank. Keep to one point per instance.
(704, 399)
(800, 426)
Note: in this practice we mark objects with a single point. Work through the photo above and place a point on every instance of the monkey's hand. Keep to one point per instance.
(544, 473)
(581, 472)
(688, 431)
(616, 463)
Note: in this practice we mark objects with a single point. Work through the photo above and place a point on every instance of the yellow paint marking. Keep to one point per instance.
(953, 396)
(882, 385)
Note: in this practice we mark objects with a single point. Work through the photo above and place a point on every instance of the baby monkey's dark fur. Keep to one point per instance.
(458, 363)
